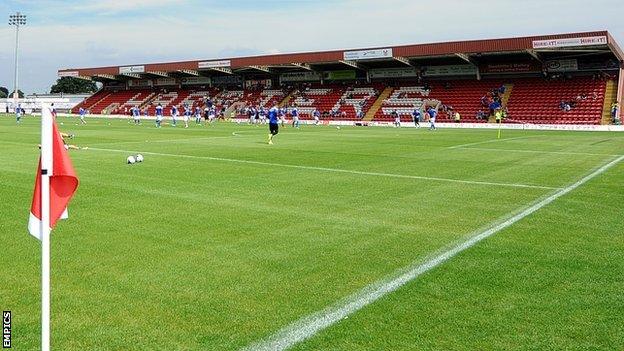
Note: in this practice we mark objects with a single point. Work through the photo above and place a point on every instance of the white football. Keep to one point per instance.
(139, 158)
(131, 160)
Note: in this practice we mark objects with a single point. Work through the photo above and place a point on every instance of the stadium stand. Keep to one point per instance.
(527, 76)
(538, 101)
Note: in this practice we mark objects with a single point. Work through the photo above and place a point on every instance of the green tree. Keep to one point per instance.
(4, 93)
(73, 85)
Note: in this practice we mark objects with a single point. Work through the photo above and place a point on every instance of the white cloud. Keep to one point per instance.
(211, 31)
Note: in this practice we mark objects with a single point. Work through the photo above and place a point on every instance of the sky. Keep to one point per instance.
(82, 33)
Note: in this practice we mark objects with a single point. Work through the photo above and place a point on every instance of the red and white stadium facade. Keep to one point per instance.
(538, 72)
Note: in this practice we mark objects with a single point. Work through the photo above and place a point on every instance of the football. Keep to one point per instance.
(130, 160)
(139, 158)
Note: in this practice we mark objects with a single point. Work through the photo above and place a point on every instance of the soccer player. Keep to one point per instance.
(187, 115)
(206, 112)
(159, 115)
(18, 113)
(146, 113)
(295, 116)
(317, 116)
(397, 119)
(174, 115)
(273, 123)
(416, 116)
(282, 115)
(136, 115)
(198, 113)
(432, 117)
(263, 115)
(250, 114)
(81, 113)
(212, 114)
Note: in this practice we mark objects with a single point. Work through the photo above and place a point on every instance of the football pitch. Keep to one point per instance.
(330, 239)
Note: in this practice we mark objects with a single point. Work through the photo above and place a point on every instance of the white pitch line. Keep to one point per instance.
(171, 140)
(492, 141)
(538, 151)
(310, 325)
(335, 170)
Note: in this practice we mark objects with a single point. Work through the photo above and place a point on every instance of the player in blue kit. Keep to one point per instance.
(432, 117)
(295, 116)
(187, 114)
(159, 115)
(136, 115)
(82, 112)
(273, 123)
(174, 115)
(317, 116)
(416, 116)
(198, 113)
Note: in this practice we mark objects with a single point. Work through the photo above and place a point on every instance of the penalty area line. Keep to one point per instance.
(308, 326)
(335, 170)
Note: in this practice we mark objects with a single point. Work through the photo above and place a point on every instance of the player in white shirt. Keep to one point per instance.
(263, 115)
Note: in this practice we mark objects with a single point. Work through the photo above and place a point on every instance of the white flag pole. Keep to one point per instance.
(46, 172)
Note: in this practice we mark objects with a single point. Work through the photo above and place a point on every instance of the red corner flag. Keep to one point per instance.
(63, 184)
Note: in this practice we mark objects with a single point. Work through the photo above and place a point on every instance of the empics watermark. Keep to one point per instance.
(6, 329)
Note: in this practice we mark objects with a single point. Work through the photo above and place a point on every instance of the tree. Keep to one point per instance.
(73, 85)
(4, 93)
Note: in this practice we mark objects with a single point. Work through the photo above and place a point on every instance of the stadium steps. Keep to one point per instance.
(610, 97)
(286, 100)
(234, 107)
(507, 95)
(372, 111)
(148, 100)
(90, 106)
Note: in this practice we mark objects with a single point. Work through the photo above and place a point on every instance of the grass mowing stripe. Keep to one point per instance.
(308, 326)
(538, 151)
(335, 170)
(492, 141)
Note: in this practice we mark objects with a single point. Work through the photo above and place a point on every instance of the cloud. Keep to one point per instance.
(215, 29)
(116, 6)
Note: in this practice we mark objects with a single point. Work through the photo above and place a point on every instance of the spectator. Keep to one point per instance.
(615, 107)
(457, 117)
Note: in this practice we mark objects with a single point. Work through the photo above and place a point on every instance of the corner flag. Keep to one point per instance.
(55, 185)
(62, 178)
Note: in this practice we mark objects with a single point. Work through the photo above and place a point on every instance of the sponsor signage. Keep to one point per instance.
(68, 74)
(214, 64)
(449, 70)
(563, 43)
(368, 54)
(226, 80)
(131, 69)
(165, 81)
(195, 80)
(300, 77)
(562, 65)
(511, 67)
(341, 75)
(392, 72)
(140, 83)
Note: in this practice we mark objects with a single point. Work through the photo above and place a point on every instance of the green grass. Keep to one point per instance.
(196, 253)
